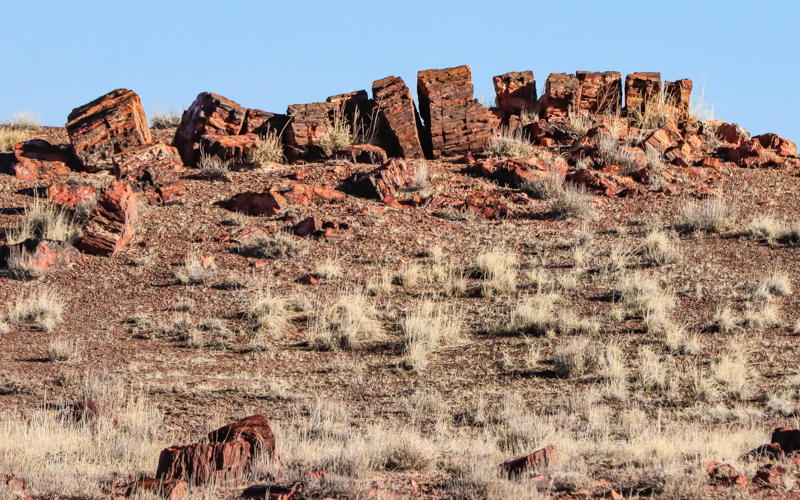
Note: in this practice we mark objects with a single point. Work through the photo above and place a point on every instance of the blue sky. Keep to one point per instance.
(268, 55)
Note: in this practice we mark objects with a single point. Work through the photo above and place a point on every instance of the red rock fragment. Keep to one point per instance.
(273, 492)
(455, 123)
(254, 429)
(641, 89)
(38, 159)
(362, 153)
(307, 279)
(200, 463)
(515, 91)
(783, 147)
(209, 113)
(600, 93)
(71, 195)
(398, 118)
(42, 254)
(486, 204)
(770, 475)
(594, 181)
(237, 148)
(168, 489)
(106, 126)
(732, 133)
(256, 203)
(307, 227)
(562, 94)
(724, 474)
(546, 457)
(153, 169)
(112, 222)
(383, 181)
(678, 95)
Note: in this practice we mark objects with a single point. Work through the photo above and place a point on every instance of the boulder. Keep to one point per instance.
(455, 123)
(724, 474)
(168, 489)
(486, 204)
(678, 94)
(384, 181)
(781, 146)
(71, 195)
(306, 125)
(516, 172)
(788, 438)
(112, 222)
(260, 122)
(770, 475)
(515, 91)
(307, 227)
(209, 113)
(256, 203)
(732, 133)
(38, 159)
(600, 92)
(397, 117)
(546, 457)
(237, 148)
(595, 181)
(561, 94)
(304, 194)
(45, 254)
(200, 463)
(154, 170)
(641, 88)
(106, 126)
(664, 138)
(254, 429)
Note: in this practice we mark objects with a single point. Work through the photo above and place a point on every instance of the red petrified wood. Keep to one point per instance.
(398, 117)
(641, 88)
(38, 159)
(71, 195)
(201, 463)
(600, 93)
(515, 91)
(209, 113)
(113, 221)
(154, 170)
(106, 126)
(385, 181)
(254, 429)
(546, 457)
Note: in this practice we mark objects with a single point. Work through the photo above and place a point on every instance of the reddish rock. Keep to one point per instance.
(273, 492)
(168, 489)
(43, 254)
(200, 463)
(594, 181)
(307, 227)
(383, 181)
(770, 474)
(600, 93)
(256, 203)
(303, 194)
(561, 94)
(486, 204)
(307, 279)
(724, 474)
(515, 172)
(749, 154)
(664, 138)
(357, 108)
(237, 148)
(254, 429)
(113, 221)
(71, 195)
(209, 113)
(260, 122)
(642, 88)
(678, 94)
(732, 133)
(155, 170)
(306, 125)
(38, 159)
(515, 91)
(770, 451)
(455, 123)
(363, 153)
(106, 126)
(781, 146)
(546, 457)
(397, 117)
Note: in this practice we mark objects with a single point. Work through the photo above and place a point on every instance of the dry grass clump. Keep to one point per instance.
(612, 154)
(345, 324)
(269, 149)
(775, 284)
(435, 253)
(455, 283)
(658, 250)
(380, 285)
(576, 357)
(271, 315)
(47, 221)
(61, 349)
(196, 270)
(329, 269)
(782, 404)
(4, 326)
(654, 114)
(766, 227)
(712, 215)
(213, 167)
(42, 308)
(165, 120)
(579, 122)
(277, 245)
(507, 144)
(236, 281)
(337, 134)
(724, 319)
(498, 268)
(428, 327)
(732, 371)
(18, 128)
(619, 257)
(409, 275)
(454, 214)
(642, 295)
(20, 265)
(547, 187)
(572, 202)
(767, 316)
(536, 315)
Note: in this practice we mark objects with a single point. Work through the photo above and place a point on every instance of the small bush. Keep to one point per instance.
(576, 357)
(408, 275)
(547, 187)
(346, 323)
(269, 149)
(658, 250)
(427, 327)
(329, 269)
(572, 202)
(61, 349)
(196, 270)
(654, 114)
(498, 268)
(534, 316)
(712, 215)
(165, 120)
(724, 319)
(380, 285)
(277, 245)
(20, 266)
(337, 134)
(765, 227)
(42, 308)
(611, 154)
(579, 122)
(47, 221)
(4, 327)
(507, 144)
(236, 281)
(733, 373)
(18, 128)
(642, 295)
(270, 313)
(213, 167)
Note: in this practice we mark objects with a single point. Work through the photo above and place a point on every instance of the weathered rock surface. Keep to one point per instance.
(168, 489)
(382, 182)
(154, 170)
(306, 126)
(546, 457)
(199, 463)
(600, 92)
(724, 474)
(641, 88)
(515, 172)
(71, 195)
(238, 148)
(42, 254)
(257, 203)
(561, 94)
(106, 126)
(260, 122)
(454, 121)
(515, 91)
(254, 429)
(678, 94)
(113, 221)
(781, 146)
(398, 118)
(209, 113)
(38, 159)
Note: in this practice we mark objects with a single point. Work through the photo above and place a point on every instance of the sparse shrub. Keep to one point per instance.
(768, 316)
(270, 313)
(20, 266)
(277, 245)
(651, 373)
(507, 144)
(196, 270)
(498, 268)
(712, 215)
(534, 315)
(61, 349)
(455, 285)
(547, 187)
(724, 319)
(782, 404)
(765, 227)
(236, 281)
(4, 326)
(576, 357)
(269, 149)
(572, 202)
(452, 213)
(352, 319)
(579, 122)
(428, 327)
(329, 269)
(658, 250)
(655, 161)
(408, 275)
(611, 154)
(642, 294)
(18, 128)
(380, 285)
(733, 373)
(619, 257)
(47, 221)
(656, 113)
(213, 167)
(435, 253)
(165, 120)
(42, 308)
(421, 176)
(777, 283)
(337, 134)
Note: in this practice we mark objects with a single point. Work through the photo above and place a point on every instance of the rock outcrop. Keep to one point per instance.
(515, 91)
(642, 88)
(199, 463)
(397, 117)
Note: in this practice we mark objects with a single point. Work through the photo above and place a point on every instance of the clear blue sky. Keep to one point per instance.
(263, 54)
